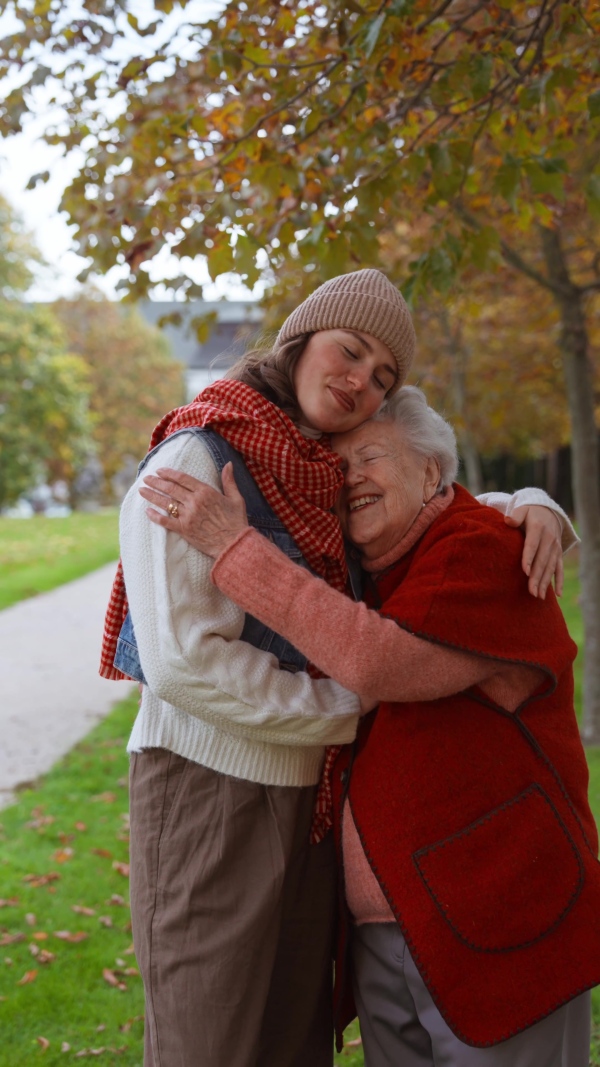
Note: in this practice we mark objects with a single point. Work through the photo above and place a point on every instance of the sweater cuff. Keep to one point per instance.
(226, 551)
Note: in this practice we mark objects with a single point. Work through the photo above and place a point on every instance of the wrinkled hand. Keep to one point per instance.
(542, 555)
(208, 520)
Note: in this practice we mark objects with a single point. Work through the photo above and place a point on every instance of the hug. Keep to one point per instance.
(468, 894)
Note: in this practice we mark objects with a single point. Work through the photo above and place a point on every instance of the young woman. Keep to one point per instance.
(232, 906)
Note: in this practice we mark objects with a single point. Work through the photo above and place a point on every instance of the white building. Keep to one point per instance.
(237, 325)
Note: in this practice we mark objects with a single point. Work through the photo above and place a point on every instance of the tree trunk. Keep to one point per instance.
(467, 447)
(585, 468)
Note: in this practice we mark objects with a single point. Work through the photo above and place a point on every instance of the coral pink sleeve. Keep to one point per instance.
(349, 642)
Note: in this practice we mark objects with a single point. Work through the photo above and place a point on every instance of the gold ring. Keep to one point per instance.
(173, 510)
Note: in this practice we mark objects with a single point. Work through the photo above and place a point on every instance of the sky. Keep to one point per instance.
(24, 155)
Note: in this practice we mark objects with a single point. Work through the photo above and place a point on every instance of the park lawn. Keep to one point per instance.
(39, 554)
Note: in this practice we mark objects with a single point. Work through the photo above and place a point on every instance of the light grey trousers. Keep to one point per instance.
(401, 1026)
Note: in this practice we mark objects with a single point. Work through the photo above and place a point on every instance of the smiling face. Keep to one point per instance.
(385, 486)
(342, 378)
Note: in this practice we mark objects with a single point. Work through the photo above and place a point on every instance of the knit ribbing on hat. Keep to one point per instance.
(364, 300)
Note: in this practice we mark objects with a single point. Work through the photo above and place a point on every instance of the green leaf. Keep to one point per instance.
(531, 96)
(480, 75)
(544, 180)
(594, 104)
(202, 325)
(256, 55)
(372, 34)
(219, 259)
(483, 244)
(232, 60)
(401, 7)
(447, 173)
(43, 177)
(245, 259)
(507, 180)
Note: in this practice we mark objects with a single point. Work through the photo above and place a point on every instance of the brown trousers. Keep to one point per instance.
(232, 913)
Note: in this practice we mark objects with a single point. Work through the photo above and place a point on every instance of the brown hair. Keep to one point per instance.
(271, 372)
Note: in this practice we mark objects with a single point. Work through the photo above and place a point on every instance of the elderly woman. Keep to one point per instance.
(468, 846)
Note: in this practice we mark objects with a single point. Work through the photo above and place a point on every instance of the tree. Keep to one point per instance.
(133, 378)
(301, 134)
(17, 254)
(487, 357)
(44, 418)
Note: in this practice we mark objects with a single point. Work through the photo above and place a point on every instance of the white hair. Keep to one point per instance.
(423, 430)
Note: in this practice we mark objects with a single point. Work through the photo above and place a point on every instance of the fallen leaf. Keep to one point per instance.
(11, 939)
(354, 1044)
(40, 936)
(30, 919)
(110, 977)
(45, 956)
(65, 838)
(117, 900)
(43, 1041)
(131, 972)
(66, 935)
(81, 827)
(100, 1028)
(81, 910)
(37, 880)
(11, 902)
(101, 852)
(105, 920)
(122, 868)
(62, 855)
(126, 1027)
(34, 949)
(105, 798)
(29, 976)
(65, 1047)
(99, 1051)
(8, 961)
(39, 822)
(129, 951)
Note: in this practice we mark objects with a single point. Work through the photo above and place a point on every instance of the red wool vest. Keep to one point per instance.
(475, 820)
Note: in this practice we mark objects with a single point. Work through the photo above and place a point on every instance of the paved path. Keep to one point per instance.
(51, 692)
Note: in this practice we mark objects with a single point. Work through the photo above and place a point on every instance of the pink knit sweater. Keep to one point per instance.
(368, 654)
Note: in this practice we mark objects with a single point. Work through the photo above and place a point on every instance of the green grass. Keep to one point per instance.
(569, 603)
(74, 825)
(39, 554)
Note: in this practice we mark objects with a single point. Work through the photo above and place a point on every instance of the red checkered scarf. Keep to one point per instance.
(300, 479)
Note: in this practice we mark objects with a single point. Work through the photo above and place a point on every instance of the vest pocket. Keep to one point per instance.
(508, 879)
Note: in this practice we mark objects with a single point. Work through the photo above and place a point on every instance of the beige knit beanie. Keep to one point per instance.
(364, 300)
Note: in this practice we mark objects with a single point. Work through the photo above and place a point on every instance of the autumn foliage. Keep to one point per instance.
(298, 136)
(134, 378)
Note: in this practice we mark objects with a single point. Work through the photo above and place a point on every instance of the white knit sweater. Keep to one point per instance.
(210, 697)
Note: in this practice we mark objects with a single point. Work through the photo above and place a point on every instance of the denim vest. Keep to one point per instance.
(264, 519)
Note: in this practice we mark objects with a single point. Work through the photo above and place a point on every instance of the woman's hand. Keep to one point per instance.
(208, 520)
(542, 555)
